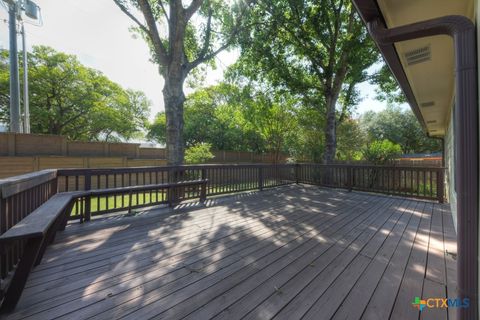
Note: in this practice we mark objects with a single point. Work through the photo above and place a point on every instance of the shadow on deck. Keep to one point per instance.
(296, 252)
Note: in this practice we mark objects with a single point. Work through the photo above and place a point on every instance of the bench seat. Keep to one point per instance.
(37, 223)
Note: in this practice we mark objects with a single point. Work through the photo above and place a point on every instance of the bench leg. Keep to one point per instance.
(66, 215)
(14, 290)
(49, 238)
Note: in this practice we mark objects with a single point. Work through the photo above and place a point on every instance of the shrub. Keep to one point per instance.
(199, 153)
(380, 152)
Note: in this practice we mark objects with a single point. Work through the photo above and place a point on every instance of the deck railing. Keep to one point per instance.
(20, 195)
(418, 182)
(222, 179)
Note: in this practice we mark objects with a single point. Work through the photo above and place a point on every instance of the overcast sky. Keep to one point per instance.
(98, 33)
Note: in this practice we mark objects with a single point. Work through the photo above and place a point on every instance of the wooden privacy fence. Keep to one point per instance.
(25, 145)
(64, 194)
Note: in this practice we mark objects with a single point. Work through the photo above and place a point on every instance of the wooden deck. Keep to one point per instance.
(296, 252)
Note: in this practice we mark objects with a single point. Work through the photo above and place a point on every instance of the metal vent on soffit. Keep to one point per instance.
(427, 104)
(418, 55)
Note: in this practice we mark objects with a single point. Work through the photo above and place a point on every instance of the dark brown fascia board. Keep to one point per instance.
(369, 11)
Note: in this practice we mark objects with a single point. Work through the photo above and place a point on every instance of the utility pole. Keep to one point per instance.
(14, 76)
(26, 107)
(15, 10)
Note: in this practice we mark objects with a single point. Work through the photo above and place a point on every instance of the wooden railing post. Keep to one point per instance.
(203, 191)
(440, 185)
(350, 178)
(54, 187)
(19, 279)
(170, 191)
(260, 178)
(297, 173)
(88, 186)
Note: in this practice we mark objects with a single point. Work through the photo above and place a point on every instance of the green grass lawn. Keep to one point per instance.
(104, 203)
(115, 202)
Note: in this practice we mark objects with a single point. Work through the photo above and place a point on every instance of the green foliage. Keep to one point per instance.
(400, 127)
(67, 98)
(230, 117)
(388, 89)
(199, 153)
(317, 50)
(307, 143)
(350, 139)
(273, 118)
(182, 35)
(214, 115)
(380, 152)
(209, 27)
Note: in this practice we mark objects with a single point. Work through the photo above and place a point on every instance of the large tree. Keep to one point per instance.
(214, 115)
(181, 37)
(230, 117)
(316, 49)
(67, 98)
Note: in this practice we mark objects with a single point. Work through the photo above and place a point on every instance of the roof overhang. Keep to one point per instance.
(423, 67)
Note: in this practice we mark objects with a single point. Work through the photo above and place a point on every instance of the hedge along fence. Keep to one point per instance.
(22, 145)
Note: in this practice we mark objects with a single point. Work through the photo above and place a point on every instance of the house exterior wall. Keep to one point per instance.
(450, 167)
(477, 17)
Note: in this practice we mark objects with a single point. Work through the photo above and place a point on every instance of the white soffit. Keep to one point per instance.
(428, 62)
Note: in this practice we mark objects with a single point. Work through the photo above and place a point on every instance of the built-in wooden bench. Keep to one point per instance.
(149, 187)
(38, 229)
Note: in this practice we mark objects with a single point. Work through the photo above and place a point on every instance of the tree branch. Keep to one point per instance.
(190, 11)
(206, 43)
(203, 56)
(199, 60)
(160, 2)
(153, 33)
(130, 15)
(343, 64)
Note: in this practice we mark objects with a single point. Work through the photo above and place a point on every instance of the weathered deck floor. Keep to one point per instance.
(296, 252)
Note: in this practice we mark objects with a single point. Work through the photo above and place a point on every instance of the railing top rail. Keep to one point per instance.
(62, 172)
(352, 165)
(119, 170)
(13, 185)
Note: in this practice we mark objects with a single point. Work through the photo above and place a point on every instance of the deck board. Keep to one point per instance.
(295, 252)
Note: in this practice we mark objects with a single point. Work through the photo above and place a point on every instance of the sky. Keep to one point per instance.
(97, 32)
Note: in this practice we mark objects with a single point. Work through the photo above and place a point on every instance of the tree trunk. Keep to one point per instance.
(330, 131)
(174, 98)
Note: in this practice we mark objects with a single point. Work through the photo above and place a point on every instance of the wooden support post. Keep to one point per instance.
(440, 185)
(350, 178)
(68, 210)
(88, 186)
(297, 173)
(130, 201)
(48, 238)
(260, 178)
(203, 191)
(14, 290)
